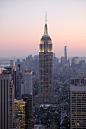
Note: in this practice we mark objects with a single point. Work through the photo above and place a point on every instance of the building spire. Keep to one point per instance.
(45, 28)
(45, 17)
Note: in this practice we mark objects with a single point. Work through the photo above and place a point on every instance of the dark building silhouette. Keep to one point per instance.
(6, 100)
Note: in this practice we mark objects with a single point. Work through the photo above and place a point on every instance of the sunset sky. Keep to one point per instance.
(22, 26)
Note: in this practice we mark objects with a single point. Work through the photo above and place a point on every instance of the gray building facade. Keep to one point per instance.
(6, 101)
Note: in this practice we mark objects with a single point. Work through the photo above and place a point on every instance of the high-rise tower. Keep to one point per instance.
(14, 80)
(6, 101)
(28, 82)
(46, 92)
(65, 53)
(78, 103)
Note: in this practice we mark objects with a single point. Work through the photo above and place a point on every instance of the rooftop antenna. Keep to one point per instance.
(45, 17)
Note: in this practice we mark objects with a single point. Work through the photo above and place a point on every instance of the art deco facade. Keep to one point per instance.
(46, 93)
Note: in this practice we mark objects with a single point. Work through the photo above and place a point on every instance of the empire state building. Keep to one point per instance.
(46, 92)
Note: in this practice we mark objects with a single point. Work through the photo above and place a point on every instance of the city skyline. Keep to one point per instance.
(22, 22)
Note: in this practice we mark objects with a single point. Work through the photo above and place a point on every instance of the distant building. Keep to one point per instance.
(36, 61)
(28, 82)
(62, 60)
(55, 60)
(20, 80)
(14, 81)
(6, 101)
(22, 89)
(31, 59)
(74, 60)
(46, 92)
(17, 64)
(82, 63)
(78, 104)
(65, 53)
(11, 65)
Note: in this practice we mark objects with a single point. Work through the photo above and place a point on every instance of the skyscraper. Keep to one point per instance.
(28, 82)
(6, 101)
(11, 65)
(24, 110)
(19, 110)
(74, 61)
(78, 103)
(14, 80)
(65, 53)
(46, 92)
(20, 80)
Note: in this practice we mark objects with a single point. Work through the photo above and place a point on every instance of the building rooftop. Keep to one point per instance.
(78, 81)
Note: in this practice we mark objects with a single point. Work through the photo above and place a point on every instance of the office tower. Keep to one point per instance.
(29, 99)
(62, 60)
(82, 63)
(65, 53)
(78, 104)
(17, 63)
(24, 110)
(19, 110)
(36, 61)
(6, 101)
(28, 82)
(20, 81)
(31, 59)
(14, 81)
(74, 60)
(29, 111)
(22, 89)
(46, 93)
(54, 59)
(11, 65)
(29, 62)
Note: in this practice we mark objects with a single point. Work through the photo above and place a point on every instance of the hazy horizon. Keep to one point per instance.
(12, 58)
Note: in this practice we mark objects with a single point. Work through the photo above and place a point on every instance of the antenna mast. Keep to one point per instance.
(45, 17)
